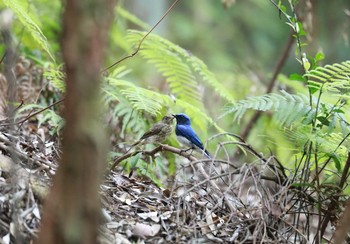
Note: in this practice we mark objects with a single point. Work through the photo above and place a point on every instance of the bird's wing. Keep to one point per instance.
(156, 129)
(187, 132)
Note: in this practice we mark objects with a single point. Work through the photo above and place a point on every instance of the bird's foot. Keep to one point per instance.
(186, 150)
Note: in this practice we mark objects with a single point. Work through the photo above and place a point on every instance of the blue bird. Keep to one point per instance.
(186, 135)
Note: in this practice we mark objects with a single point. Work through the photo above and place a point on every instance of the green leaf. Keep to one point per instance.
(336, 160)
(323, 120)
(300, 29)
(297, 77)
(19, 9)
(338, 110)
(319, 56)
(134, 161)
(314, 87)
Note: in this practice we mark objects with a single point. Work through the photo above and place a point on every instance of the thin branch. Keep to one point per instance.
(161, 147)
(36, 113)
(143, 38)
(193, 161)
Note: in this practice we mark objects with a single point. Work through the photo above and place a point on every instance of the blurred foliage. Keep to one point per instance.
(203, 58)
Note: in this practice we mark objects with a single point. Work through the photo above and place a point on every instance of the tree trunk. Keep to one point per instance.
(72, 210)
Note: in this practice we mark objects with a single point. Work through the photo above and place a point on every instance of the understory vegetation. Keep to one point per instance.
(278, 130)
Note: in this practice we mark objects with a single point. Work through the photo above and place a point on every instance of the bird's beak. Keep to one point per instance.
(173, 116)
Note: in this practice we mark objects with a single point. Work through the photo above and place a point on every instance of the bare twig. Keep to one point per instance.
(143, 38)
(161, 147)
(32, 115)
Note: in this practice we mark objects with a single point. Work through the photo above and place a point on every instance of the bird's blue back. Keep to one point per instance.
(188, 132)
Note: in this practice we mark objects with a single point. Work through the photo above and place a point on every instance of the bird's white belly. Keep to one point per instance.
(184, 141)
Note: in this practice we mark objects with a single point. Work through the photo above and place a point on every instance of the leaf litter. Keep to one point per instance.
(203, 204)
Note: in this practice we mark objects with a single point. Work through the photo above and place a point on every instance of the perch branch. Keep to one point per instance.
(161, 147)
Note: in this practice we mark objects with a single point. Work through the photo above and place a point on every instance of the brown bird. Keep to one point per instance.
(158, 133)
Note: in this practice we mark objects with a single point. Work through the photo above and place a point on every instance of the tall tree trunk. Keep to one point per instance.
(71, 212)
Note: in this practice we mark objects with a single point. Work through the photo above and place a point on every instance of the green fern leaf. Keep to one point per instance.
(49, 115)
(147, 100)
(54, 74)
(331, 73)
(178, 74)
(327, 142)
(29, 24)
(287, 107)
(179, 67)
(200, 119)
(200, 67)
(140, 98)
(137, 100)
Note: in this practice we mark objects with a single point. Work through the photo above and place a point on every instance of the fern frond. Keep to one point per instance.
(140, 98)
(19, 9)
(131, 118)
(54, 75)
(147, 100)
(287, 107)
(178, 74)
(133, 100)
(333, 79)
(179, 67)
(143, 100)
(331, 73)
(199, 119)
(49, 115)
(201, 68)
(327, 142)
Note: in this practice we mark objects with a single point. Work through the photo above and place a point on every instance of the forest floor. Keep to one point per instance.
(208, 201)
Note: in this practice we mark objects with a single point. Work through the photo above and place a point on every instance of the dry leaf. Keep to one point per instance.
(210, 222)
(152, 215)
(143, 230)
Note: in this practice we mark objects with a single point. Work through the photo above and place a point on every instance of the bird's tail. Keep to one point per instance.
(207, 154)
(133, 145)
(136, 143)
